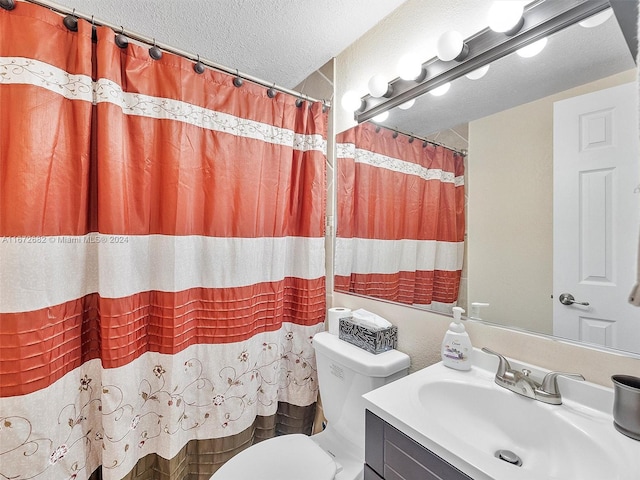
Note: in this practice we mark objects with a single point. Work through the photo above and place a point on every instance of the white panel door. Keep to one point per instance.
(596, 217)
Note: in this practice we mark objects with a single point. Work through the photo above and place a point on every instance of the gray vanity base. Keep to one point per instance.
(391, 455)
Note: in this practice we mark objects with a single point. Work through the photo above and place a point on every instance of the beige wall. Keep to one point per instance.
(510, 225)
(411, 28)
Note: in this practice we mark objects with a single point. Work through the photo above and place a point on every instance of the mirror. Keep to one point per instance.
(508, 258)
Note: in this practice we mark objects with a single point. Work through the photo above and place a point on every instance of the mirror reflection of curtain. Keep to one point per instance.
(400, 218)
(162, 258)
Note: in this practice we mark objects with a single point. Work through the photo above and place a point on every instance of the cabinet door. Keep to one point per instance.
(405, 459)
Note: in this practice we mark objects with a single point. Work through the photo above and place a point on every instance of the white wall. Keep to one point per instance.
(412, 27)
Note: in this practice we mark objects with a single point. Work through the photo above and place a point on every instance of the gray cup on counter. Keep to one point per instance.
(626, 405)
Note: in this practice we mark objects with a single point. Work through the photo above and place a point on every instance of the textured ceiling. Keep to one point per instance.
(279, 41)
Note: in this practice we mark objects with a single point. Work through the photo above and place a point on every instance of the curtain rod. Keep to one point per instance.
(424, 141)
(167, 48)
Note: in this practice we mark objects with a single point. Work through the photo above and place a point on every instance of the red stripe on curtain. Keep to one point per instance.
(394, 206)
(41, 346)
(419, 287)
(142, 192)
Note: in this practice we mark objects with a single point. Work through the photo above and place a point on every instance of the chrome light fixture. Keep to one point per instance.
(525, 26)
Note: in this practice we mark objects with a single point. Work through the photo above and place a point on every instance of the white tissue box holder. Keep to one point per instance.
(372, 340)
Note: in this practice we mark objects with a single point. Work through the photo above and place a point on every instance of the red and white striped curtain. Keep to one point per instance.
(400, 214)
(162, 258)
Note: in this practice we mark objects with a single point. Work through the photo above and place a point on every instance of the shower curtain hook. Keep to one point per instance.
(198, 67)
(8, 4)
(71, 22)
(121, 40)
(155, 52)
(271, 92)
(237, 82)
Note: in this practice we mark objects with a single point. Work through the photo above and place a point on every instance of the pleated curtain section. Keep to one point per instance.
(400, 218)
(162, 258)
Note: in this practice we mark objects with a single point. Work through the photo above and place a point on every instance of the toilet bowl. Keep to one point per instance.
(345, 373)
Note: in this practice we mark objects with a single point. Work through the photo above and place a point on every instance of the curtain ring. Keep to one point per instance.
(411, 138)
(198, 67)
(237, 82)
(299, 102)
(121, 40)
(395, 134)
(8, 4)
(271, 92)
(71, 22)
(155, 52)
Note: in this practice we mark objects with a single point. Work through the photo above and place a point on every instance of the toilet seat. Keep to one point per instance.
(288, 457)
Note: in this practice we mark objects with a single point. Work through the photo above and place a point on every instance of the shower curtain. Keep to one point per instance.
(400, 214)
(162, 258)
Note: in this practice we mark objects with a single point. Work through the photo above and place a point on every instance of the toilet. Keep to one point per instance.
(345, 373)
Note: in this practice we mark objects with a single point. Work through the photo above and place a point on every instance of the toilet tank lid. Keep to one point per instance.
(381, 365)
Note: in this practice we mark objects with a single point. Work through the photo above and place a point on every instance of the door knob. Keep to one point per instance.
(568, 299)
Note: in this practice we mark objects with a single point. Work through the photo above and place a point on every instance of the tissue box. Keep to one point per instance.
(374, 341)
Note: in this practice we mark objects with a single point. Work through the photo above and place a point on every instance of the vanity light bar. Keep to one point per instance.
(540, 20)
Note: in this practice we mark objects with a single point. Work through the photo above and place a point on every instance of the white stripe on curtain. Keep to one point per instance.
(53, 270)
(349, 150)
(19, 70)
(363, 255)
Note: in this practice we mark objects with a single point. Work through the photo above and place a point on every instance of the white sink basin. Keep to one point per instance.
(465, 418)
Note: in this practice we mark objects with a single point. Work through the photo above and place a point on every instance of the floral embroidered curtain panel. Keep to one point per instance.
(400, 218)
(162, 258)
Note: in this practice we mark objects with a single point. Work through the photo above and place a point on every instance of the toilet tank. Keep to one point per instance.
(345, 373)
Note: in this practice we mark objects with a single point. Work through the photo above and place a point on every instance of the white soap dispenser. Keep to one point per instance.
(456, 346)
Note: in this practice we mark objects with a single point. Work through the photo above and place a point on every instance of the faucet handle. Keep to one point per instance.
(550, 381)
(503, 363)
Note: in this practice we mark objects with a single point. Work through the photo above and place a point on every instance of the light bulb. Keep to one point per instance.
(478, 72)
(409, 67)
(504, 15)
(533, 49)
(441, 90)
(597, 19)
(407, 105)
(381, 117)
(450, 46)
(351, 101)
(378, 86)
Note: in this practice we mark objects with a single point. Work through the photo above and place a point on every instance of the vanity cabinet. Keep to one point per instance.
(391, 455)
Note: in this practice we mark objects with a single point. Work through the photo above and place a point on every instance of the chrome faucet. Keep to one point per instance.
(522, 383)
